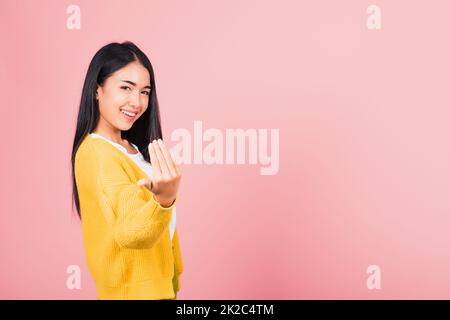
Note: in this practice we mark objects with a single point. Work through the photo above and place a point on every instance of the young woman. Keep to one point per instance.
(125, 181)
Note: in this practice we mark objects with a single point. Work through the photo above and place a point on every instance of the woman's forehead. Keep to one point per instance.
(134, 72)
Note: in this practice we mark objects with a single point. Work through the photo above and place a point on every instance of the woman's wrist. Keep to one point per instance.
(165, 203)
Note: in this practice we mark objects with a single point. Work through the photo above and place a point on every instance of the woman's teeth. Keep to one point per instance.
(131, 114)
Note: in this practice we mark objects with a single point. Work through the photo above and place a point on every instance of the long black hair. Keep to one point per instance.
(147, 127)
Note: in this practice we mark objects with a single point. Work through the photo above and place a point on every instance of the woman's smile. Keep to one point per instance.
(128, 115)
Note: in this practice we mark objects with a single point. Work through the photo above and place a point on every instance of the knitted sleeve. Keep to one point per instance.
(178, 263)
(136, 219)
(177, 252)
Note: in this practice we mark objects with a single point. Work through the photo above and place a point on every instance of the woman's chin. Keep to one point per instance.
(125, 126)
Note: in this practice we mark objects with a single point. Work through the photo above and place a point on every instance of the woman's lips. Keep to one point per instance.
(128, 117)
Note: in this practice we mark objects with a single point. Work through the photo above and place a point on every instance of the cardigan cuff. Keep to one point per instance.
(164, 208)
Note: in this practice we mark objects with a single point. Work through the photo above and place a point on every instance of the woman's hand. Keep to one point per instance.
(166, 179)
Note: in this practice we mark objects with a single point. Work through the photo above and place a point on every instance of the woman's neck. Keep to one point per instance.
(115, 136)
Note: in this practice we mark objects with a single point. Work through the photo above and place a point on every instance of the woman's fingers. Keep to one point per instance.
(162, 161)
(166, 178)
(169, 161)
(154, 160)
(175, 163)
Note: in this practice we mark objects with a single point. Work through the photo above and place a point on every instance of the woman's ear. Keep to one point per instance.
(96, 93)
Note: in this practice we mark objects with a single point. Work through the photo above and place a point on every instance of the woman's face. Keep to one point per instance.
(124, 96)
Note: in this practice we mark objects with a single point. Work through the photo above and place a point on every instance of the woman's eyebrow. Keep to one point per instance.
(134, 84)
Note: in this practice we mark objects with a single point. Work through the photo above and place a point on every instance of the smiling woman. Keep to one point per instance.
(126, 91)
(131, 114)
(125, 182)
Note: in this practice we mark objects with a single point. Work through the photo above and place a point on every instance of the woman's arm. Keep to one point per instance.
(137, 223)
(178, 263)
(177, 252)
(136, 219)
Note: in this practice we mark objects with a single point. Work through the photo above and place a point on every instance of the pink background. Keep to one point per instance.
(363, 116)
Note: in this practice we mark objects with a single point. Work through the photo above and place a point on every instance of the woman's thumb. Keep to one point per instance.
(146, 182)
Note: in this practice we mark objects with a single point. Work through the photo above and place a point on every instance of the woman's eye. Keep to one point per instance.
(146, 93)
(125, 88)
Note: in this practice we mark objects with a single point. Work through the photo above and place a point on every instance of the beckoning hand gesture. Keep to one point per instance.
(166, 178)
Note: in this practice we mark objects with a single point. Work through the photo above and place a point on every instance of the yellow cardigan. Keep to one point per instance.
(125, 231)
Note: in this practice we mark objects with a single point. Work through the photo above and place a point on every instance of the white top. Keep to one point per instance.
(138, 158)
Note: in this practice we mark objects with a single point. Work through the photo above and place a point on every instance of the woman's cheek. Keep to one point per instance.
(120, 101)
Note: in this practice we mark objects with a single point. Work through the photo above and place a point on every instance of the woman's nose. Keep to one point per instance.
(134, 98)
